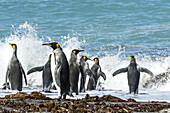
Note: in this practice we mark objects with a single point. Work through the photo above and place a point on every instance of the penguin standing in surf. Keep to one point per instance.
(133, 74)
(96, 73)
(15, 71)
(60, 70)
(46, 74)
(74, 71)
(84, 66)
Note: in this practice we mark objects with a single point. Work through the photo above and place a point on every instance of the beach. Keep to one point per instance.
(110, 30)
(37, 102)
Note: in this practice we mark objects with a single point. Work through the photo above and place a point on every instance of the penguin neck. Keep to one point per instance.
(133, 63)
(57, 49)
(82, 61)
(14, 53)
(73, 57)
(97, 62)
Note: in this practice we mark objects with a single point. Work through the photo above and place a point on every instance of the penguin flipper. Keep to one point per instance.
(141, 69)
(88, 72)
(22, 70)
(121, 70)
(103, 75)
(35, 69)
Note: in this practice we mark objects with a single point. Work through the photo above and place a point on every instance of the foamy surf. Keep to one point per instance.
(31, 53)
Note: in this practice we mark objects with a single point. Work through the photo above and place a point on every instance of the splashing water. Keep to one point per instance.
(31, 53)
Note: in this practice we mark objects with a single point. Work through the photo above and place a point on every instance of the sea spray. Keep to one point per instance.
(31, 53)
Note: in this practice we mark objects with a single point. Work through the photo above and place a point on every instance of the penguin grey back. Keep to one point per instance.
(15, 71)
(74, 70)
(61, 70)
(133, 74)
(83, 67)
(46, 74)
(96, 70)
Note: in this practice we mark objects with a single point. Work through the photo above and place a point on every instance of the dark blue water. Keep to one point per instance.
(104, 24)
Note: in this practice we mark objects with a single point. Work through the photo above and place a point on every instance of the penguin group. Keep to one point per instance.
(67, 75)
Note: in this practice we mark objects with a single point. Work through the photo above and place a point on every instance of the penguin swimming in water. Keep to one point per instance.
(60, 70)
(46, 74)
(15, 71)
(133, 74)
(96, 73)
(74, 71)
(84, 66)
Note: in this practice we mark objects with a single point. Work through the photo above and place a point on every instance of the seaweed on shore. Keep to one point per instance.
(37, 102)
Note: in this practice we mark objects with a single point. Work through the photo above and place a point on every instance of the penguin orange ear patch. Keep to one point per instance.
(96, 59)
(57, 45)
(13, 46)
(132, 57)
(74, 52)
(84, 57)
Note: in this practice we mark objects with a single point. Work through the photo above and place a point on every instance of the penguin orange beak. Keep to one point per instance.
(54, 45)
(47, 44)
(75, 51)
(80, 51)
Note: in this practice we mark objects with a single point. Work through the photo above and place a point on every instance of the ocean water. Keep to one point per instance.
(109, 30)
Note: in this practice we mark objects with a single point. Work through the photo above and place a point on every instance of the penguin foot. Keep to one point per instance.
(59, 98)
(70, 94)
(82, 90)
(64, 96)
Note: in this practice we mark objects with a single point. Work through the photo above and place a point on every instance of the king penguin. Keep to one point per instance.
(74, 70)
(15, 71)
(84, 66)
(133, 74)
(97, 72)
(46, 74)
(60, 70)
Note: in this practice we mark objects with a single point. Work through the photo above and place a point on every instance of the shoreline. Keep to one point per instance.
(38, 102)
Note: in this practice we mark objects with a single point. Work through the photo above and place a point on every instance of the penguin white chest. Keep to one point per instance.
(55, 59)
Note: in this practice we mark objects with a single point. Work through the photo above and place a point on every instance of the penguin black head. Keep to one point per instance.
(76, 51)
(14, 46)
(132, 59)
(85, 58)
(53, 45)
(95, 59)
